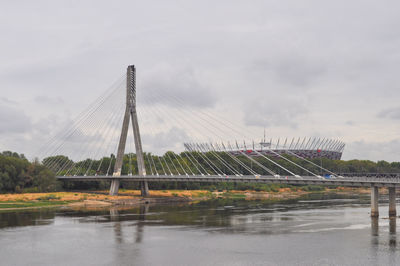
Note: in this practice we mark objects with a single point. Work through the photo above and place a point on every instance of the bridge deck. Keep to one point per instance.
(358, 181)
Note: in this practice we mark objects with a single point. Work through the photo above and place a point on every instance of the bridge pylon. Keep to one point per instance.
(130, 113)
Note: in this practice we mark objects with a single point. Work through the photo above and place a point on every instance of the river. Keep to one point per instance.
(314, 230)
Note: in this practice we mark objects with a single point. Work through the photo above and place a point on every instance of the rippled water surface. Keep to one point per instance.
(315, 230)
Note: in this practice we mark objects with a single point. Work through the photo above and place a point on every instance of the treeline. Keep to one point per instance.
(17, 174)
(185, 163)
(213, 162)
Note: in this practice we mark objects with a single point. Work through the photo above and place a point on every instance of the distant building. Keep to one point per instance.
(309, 148)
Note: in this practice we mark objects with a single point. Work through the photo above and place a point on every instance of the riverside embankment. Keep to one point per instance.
(99, 199)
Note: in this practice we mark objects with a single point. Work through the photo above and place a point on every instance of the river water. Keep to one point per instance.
(314, 230)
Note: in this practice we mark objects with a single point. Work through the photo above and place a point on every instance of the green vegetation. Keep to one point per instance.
(103, 166)
(49, 197)
(17, 174)
(233, 195)
(312, 188)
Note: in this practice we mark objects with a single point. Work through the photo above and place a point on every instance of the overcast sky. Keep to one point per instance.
(297, 68)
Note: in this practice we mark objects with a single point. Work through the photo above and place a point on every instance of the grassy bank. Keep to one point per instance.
(38, 200)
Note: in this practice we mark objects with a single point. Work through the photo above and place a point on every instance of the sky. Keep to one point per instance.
(296, 68)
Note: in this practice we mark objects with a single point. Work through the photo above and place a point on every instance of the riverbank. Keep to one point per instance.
(100, 199)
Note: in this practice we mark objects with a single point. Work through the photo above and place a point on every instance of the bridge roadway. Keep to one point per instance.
(358, 181)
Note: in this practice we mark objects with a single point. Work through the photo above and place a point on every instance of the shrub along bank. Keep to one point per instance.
(18, 175)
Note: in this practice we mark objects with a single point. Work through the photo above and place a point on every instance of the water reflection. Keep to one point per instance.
(27, 217)
(144, 209)
(115, 217)
(233, 215)
(392, 225)
(232, 230)
(392, 232)
(374, 226)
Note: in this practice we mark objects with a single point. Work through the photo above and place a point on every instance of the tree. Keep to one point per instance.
(17, 174)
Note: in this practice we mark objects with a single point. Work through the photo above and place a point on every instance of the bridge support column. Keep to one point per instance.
(392, 201)
(144, 188)
(374, 201)
(130, 112)
(114, 187)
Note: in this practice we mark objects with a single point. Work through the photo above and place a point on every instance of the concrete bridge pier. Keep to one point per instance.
(392, 201)
(144, 188)
(374, 201)
(114, 187)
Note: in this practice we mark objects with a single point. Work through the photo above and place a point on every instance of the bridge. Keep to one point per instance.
(95, 133)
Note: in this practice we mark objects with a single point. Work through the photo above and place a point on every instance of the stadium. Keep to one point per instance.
(309, 148)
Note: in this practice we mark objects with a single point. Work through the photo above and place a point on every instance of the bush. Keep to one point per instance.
(313, 188)
(30, 190)
(49, 197)
(17, 174)
(212, 188)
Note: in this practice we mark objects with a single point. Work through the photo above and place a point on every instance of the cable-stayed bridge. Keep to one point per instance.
(105, 143)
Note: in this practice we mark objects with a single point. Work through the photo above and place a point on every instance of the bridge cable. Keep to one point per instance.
(237, 160)
(172, 116)
(177, 160)
(72, 133)
(212, 117)
(274, 162)
(210, 129)
(78, 121)
(308, 171)
(107, 133)
(88, 147)
(103, 123)
(194, 148)
(86, 112)
(191, 155)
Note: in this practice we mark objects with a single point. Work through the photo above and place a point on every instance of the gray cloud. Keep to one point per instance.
(371, 150)
(7, 101)
(269, 113)
(13, 120)
(176, 87)
(42, 99)
(392, 113)
(309, 66)
(295, 70)
(161, 142)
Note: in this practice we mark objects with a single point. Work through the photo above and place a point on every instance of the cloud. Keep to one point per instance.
(161, 142)
(309, 66)
(41, 99)
(176, 87)
(373, 150)
(275, 111)
(392, 113)
(291, 69)
(12, 119)
(7, 101)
